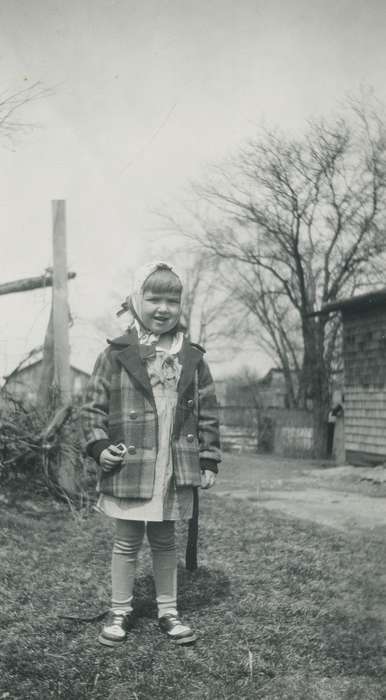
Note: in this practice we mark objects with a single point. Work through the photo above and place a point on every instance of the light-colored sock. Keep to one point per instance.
(162, 542)
(128, 540)
(165, 579)
(123, 570)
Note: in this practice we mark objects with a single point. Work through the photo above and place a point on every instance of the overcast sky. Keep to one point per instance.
(146, 93)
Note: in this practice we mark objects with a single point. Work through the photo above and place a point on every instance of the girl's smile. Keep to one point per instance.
(160, 311)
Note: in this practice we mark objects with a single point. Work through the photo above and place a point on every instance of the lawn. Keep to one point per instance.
(284, 609)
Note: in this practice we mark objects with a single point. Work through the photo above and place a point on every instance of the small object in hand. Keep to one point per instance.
(120, 447)
(112, 456)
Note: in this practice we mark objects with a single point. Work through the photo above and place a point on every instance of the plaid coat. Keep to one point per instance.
(120, 407)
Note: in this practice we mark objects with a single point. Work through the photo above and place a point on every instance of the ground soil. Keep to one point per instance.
(344, 497)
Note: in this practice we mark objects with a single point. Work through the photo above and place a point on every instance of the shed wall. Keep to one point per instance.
(24, 384)
(364, 347)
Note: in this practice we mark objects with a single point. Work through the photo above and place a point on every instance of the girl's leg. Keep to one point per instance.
(163, 546)
(128, 540)
(162, 541)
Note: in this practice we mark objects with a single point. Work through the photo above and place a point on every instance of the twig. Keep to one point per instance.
(250, 664)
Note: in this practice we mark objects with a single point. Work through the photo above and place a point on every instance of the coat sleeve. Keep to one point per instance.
(208, 420)
(95, 411)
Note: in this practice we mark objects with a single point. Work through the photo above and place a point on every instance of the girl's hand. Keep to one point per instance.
(208, 479)
(111, 457)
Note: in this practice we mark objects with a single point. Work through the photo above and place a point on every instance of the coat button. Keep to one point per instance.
(133, 415)
(190, 403)
(131, 449)
(190, 437)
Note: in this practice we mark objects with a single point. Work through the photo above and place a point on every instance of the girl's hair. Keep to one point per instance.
(163, 281)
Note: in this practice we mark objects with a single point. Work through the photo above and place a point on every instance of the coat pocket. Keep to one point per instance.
(186, 460)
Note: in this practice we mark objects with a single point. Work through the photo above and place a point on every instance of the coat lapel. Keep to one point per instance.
(133, 357)
(189, 357)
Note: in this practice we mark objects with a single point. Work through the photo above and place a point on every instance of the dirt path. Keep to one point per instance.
(333, 508)
(332, 497)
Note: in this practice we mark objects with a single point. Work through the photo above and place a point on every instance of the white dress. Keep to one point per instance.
(168, 501)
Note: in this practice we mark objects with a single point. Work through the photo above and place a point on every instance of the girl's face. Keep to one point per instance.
(160, 311)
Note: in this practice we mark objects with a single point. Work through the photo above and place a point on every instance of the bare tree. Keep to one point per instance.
(297, 223)
(204, 297)
(12, 105)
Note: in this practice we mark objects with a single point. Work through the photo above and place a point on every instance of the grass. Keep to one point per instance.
(284, 609)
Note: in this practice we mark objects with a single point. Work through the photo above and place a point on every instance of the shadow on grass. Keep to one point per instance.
(202, 588)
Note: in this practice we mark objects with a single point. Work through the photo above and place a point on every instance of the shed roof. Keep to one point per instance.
(358, 302)
(267, 379)
(32, 361)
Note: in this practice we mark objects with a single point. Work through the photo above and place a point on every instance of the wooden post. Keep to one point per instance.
(62, 376)
(66, 465)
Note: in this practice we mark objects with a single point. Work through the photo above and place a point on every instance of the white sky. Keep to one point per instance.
(146, 94)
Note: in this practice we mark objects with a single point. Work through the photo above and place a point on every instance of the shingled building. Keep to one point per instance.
(364, 353)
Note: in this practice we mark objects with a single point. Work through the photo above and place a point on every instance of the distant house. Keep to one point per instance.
(272, 390)
(23, 382)
(268, 392)
(364, 355)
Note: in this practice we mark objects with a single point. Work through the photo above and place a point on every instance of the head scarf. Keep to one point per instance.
(132, 303)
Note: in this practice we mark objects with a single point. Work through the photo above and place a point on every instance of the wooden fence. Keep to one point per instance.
(279, 431)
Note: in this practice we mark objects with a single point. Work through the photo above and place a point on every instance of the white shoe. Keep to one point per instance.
(116, 628)
(175, 630)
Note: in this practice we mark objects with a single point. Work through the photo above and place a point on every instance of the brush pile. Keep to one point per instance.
(34, 443)
(21, 431)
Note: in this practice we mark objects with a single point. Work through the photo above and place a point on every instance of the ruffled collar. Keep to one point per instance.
(146, 337)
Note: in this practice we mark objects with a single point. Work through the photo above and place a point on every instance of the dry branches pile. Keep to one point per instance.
(20, 440)
(32, 442)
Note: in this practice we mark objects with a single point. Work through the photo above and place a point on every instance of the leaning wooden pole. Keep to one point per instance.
(62, 377)
(30, 283)
(47, 374)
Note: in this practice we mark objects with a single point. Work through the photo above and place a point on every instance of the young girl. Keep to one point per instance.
(151, 423)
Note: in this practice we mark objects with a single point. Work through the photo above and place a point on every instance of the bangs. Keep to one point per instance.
(163, 281)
